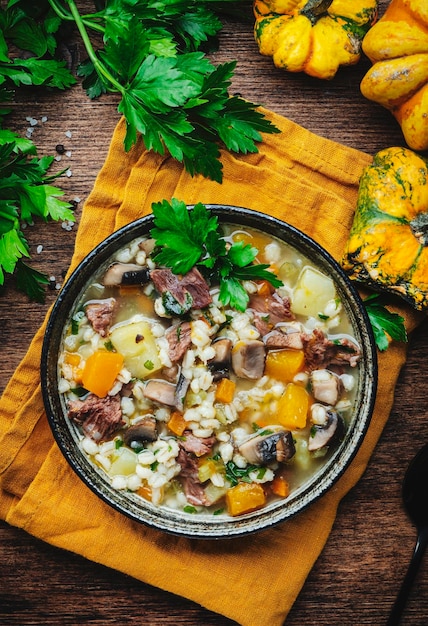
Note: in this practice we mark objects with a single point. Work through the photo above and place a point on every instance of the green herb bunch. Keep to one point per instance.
(151, 55)
(170, 92)
(26, 193)
(26, 190)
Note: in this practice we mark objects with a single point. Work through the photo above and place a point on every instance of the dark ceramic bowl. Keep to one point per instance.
(204, 526)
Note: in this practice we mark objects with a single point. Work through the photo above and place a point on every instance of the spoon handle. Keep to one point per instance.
(400, 602)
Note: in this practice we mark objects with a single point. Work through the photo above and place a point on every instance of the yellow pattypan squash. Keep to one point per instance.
(387, 247)
(313, 36)
(398, 80)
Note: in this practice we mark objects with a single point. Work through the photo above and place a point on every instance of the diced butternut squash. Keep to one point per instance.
(280, 486)
(244, 498)
(312, 292)
(72, 358)
(293, 407)
(225, 391)
(100, 371)
(176, 423)
(284, 364)
(138, 346)
(255, 240)
(145, 492)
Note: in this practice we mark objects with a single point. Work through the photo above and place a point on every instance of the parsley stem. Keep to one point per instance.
(65, 15)
(80, 23)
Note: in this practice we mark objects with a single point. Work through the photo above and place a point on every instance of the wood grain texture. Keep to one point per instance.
(359, 572)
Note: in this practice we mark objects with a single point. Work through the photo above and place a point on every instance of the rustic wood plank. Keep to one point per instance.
(359, 572)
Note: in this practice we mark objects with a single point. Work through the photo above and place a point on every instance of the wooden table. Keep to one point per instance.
(359, 572)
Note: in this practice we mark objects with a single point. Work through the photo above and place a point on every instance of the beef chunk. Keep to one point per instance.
(196, 445)
(192, 486)
(179, 340)
(269, 310)
(320, 351)
(100, 315)
(99, 417)
(181, 293)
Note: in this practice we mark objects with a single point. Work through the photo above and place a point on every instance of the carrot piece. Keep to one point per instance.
(100, 371)
(293, 407)
(284, 364)
(225, 390)
(264, 288)
(280, 487)
(176, 423)
(245, 497)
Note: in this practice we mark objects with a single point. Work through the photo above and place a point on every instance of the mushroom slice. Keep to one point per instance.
(161, 392)
(126, 274)
(145, 430)
(327, 434)
(264, 449)
(326, 386)
(219, 365)
(180, 391)
(248, 359)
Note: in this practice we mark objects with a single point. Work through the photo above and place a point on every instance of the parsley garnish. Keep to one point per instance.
(189, 509)
(187, 238)
(170, 92)
(235, 474)
(383, 322)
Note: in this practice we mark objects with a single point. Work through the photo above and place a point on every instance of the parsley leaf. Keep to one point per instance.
(187, 238)
(384, 323)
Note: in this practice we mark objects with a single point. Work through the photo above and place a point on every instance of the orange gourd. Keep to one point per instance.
(398, 80)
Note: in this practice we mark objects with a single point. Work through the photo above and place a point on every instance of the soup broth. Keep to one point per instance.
(197, 406)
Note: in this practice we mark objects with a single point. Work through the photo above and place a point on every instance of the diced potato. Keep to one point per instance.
(312, 292)
(124, 464)
(138, 347)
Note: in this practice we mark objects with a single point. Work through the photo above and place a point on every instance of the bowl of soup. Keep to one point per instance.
(214, 401)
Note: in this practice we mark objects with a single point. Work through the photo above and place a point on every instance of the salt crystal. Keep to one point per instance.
(58, 157)
(39, 249)
(69, 173)
(68, 133)
(58, 286)
(76, 199)
(68, 153)
(44, 119)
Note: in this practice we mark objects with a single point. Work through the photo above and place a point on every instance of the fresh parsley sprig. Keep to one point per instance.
(170, 93)
(187, 238)
(26, 193)
(384, 323)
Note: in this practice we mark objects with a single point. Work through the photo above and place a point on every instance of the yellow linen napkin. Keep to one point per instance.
(307, 181)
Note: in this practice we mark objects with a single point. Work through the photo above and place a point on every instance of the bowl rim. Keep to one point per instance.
(204, 526)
